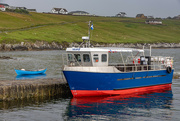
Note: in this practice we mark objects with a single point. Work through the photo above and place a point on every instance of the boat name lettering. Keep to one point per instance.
(76, 49)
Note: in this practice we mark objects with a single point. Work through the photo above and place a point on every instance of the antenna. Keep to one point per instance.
(86, 39)
(89, 32)
(89, 28)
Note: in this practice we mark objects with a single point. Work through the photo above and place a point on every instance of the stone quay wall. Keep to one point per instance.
(35, 88)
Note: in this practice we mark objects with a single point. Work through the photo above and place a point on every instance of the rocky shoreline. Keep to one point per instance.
(41, 45)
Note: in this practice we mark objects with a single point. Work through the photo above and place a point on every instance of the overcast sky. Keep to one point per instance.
(156, 8)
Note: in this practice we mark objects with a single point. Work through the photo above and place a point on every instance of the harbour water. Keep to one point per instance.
(158, 105)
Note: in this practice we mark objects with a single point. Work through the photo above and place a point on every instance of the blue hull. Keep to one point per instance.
(88, 81)
(23, 72)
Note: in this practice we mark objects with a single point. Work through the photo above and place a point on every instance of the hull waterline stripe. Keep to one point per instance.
(87, 93)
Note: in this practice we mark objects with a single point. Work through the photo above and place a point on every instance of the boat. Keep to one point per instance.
(30, 76)
(28, 72)
(111, 71)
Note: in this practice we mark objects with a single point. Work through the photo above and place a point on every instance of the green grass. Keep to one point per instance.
(16, 28)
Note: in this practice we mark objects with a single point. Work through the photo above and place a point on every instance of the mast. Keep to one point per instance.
(86, 39)
(89, 33)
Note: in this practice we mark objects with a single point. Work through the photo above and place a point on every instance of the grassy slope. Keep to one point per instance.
(60, 28)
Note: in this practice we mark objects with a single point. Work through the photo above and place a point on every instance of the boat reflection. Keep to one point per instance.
(35, 76)
(123, 106)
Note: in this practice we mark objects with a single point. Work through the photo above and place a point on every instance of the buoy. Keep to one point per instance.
(139, 60)
(133, 61)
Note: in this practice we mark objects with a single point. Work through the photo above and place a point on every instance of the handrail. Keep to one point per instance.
(157, 63)
(138, 68)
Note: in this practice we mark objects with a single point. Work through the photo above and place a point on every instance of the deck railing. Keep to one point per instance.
(157, 63)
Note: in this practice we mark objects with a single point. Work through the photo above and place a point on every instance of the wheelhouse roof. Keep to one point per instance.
(103, 50)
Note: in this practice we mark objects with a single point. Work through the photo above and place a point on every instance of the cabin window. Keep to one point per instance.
(104, 57)
(86, 58)
(78, 57)
(70, 58)
(95, 58)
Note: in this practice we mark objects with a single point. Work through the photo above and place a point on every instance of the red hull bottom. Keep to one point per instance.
(85, 93)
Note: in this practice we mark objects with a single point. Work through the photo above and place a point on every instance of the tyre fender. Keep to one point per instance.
(169, 69)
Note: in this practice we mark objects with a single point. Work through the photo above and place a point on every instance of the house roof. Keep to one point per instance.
(31, 9)
(82, 12)
(122, 13)
(139, 15)
(4, 4)
(58, 9)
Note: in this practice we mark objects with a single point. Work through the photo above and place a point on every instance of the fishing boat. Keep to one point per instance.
(28, 72)
(114, 71)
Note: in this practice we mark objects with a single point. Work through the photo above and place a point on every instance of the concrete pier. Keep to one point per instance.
(35, 88)
(20, 89)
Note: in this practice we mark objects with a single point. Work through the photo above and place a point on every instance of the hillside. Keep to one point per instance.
(15, 28)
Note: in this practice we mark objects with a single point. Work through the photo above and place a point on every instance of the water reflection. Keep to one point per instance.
(154, 104)
(32, 102)
(35, 76)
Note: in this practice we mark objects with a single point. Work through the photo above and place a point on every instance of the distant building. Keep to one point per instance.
(153, 21)
(22, 8)
(81, 13)
(12, 7)
(150, 17)
(31, 10)
(176, 17)
(5, 5)
(121, 14)
(141, 16)
(59, 11)
(2, 8)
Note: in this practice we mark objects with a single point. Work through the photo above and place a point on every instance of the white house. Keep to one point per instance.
(2, 8)
(59, 11)
(12, 7)
(21, 8)
(79, 13)
(31, 10)
(153, 21)
(121, 14)
(150, 17)
(5, 5)
(176, 17)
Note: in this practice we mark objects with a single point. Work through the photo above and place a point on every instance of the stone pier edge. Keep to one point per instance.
(20, 89)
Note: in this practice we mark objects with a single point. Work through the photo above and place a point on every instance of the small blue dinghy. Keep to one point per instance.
(27, 72)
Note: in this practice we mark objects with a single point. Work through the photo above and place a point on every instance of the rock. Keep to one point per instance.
(7, 47)
(74, 45)
(5, 57)
(22, 43)
(55, 45)
(97, 45)
(1, 48)
(19, 47)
